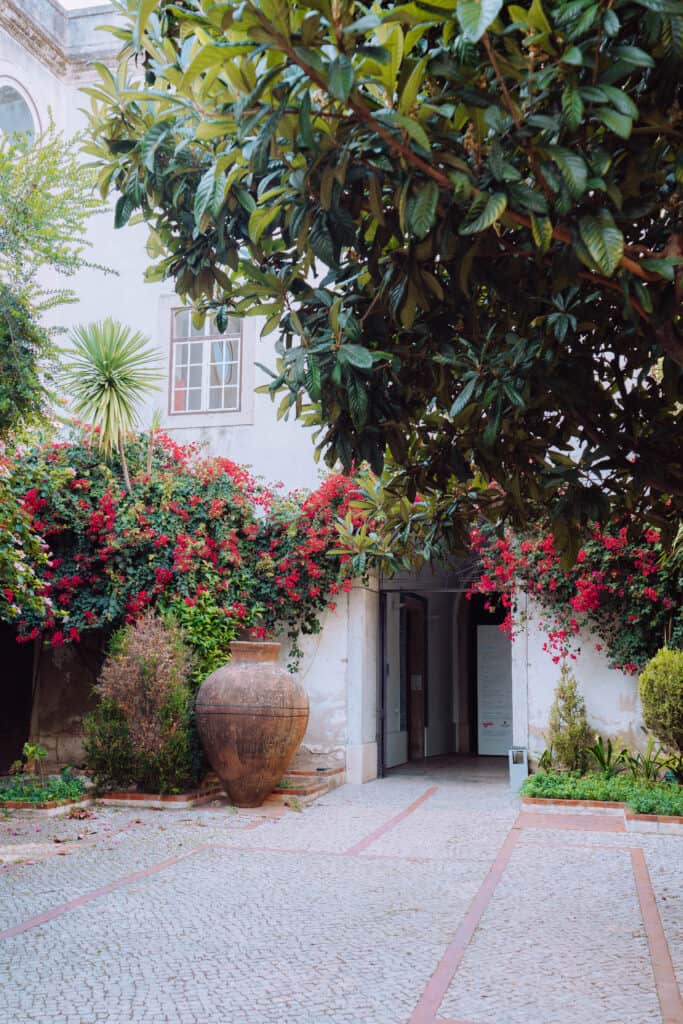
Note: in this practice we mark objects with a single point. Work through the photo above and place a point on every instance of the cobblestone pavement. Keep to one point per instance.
(423, 898)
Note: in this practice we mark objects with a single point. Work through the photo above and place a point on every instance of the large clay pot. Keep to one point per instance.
(251, 716)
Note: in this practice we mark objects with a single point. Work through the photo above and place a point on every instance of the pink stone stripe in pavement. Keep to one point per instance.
(666, 985)
(668, 993)
(121, 883)
(353, 851)
(80, 901)
(427, 1008)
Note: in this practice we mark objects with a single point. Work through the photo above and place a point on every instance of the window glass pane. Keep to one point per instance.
(233, 328)
(231, 398)
(196, 354)
(215, 398)
(181, 323)
(195, 376)
(217, 351)
(194, 400)
(179, 392)
(15, 114)
(197, 332)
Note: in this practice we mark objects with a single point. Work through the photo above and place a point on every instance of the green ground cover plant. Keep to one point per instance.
(641, 797)
(33, 790)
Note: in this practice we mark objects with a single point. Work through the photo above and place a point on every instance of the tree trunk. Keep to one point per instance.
(124, 465)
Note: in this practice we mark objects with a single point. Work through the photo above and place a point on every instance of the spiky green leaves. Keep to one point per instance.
(107, 372)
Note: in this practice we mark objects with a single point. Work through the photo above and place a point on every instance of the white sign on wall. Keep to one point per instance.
(494, 690)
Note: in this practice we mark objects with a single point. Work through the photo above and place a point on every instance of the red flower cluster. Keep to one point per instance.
(619, 590)
(192, 526)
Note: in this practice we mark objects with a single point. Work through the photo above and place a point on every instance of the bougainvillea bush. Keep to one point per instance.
(623, 589)
(192, 526)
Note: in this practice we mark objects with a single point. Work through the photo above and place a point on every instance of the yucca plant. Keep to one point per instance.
(608, 760)
(108, 371)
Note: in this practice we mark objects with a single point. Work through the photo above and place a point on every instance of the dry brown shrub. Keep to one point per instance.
(145, 675)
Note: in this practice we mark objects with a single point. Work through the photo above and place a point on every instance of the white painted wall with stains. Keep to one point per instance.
(612, 702)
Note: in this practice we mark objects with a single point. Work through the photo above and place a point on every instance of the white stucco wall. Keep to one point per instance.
(612, 702)
(339, 671)
(322, 672)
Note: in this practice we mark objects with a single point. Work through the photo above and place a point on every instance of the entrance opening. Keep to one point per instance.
(446, 672)
(17, 697)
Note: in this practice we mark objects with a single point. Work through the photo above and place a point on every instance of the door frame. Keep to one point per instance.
(382, 675)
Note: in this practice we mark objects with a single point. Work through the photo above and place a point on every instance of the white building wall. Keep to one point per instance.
(612, 701)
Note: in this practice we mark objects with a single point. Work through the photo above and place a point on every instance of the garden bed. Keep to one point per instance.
(646, 806)
(52, 794)
(157, 801)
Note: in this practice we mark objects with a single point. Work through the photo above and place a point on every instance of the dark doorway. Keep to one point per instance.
(414, 669)
(17, 696)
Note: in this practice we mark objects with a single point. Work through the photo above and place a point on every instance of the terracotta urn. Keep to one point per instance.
(251, 716)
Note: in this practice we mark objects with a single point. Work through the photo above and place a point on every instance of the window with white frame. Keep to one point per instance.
(206, 365)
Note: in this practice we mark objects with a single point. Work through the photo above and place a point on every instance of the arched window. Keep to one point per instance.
(16, 117)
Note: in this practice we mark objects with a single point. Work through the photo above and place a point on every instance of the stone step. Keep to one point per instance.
(306, 785)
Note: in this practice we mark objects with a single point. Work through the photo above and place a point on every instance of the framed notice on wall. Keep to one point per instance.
(494, 691)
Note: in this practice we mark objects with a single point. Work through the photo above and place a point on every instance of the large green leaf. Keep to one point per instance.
(340, 77)
(475, 17)
(152, 140)
(464, 397)
(261, 218)
(542, 232)
(620, 100)
(421, 210)
(674, 7)
(572, 106)
(572, 168)
(356, 355)
(633, 55)
(604, 241)
(484, 212)
(620, 124)
(204, 194)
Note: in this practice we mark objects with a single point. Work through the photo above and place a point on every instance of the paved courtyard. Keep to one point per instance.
(421, 898)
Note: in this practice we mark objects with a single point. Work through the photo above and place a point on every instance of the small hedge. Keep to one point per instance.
(661, 692)
(30, 789)
(641, 797)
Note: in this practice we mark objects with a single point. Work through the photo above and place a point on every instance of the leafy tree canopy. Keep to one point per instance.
(46, 200)
(461, 217)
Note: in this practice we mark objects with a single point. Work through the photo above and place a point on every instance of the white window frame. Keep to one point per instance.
(198, 423)
(206, 340)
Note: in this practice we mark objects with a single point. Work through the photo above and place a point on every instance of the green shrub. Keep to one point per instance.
(661, 692)
(142, 729)
(33, 790)
(569, 735)
(208, 631)
(108, 747)
(641, 797)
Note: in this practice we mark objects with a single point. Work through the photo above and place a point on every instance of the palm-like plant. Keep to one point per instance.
(109, 370)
